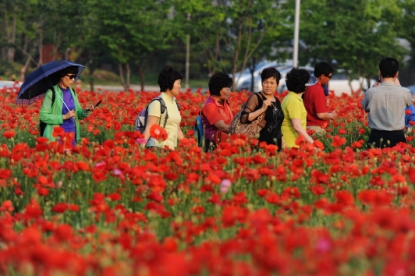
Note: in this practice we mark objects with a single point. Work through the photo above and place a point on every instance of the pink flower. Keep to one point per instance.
(59, 184)
(117, 172)
(141, 141)
(225, 185)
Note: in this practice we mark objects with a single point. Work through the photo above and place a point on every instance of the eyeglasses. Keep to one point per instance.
(71, 77)
(329, 76)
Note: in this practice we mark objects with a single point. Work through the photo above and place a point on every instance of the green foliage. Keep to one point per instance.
(356, 34)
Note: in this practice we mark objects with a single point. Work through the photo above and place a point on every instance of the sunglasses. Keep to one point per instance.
(71, 77)
(329, 76)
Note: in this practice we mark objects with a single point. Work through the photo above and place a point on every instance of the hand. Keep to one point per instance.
(333, 114)
(70, 114)
(90, 108)
(265, 104)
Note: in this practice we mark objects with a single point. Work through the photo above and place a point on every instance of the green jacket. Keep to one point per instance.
(52, 114)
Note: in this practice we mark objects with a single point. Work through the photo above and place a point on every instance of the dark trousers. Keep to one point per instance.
(385, 139)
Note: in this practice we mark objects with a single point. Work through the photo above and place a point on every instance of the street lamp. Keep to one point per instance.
(296, 32)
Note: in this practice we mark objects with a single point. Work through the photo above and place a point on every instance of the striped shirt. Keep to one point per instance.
(386, 106)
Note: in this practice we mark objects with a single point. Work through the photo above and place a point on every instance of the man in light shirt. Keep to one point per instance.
(386, 105)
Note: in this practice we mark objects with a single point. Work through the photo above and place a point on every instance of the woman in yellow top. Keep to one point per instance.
(169, 82)
(295, 114)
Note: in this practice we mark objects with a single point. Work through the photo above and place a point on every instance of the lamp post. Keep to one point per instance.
(296, 32)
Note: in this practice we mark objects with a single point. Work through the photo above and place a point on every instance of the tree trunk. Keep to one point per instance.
(24, 68)
(236, 57)
(10, 34)
(128, 76)
(252, 70)
(40, 62)
(141, 73)
(12, 38)
(125, 82)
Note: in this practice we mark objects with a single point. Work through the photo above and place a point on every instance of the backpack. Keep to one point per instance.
(141, 119)
(198, 128)
(42, 125)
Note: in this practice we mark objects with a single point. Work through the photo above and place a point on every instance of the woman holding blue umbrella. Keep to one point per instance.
(52, 82)
(63, 109)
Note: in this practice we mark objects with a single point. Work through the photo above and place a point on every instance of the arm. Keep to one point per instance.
(222, 126)
(253, 115)
(46, 115)
(248, 114)
(365, 103)
(151, 120)
(300, 130)
(211, 113)
(327, 115)
(180, 135)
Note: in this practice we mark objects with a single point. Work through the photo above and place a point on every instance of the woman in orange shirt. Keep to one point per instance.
(216, 112)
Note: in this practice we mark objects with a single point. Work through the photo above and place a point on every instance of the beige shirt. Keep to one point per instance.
(172, 124)
(386, 106)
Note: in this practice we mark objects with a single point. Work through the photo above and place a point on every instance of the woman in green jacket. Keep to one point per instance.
(65, 110)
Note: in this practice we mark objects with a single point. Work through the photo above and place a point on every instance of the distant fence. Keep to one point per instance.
(407, 76)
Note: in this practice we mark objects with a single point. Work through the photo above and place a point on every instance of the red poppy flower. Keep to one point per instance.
(338, 141)
(114, 196)
(345, 198)
(60, 208)
(9, 134)
(5, 174)
(411, 175)
(158, 133)
(58, 132)
(319, 144)
(317, 190)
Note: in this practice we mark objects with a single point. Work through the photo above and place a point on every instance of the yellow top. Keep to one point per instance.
(172, 124)
(293, 108)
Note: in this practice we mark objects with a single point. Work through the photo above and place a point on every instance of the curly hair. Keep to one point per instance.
(296, 80)
(269, 73)
(218, 81)
(167, 77)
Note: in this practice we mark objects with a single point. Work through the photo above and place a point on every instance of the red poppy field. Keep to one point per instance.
(111, 208)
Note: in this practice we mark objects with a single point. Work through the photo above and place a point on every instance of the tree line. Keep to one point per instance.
(225, 35)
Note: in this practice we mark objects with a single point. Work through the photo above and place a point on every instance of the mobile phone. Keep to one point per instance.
(98, 103)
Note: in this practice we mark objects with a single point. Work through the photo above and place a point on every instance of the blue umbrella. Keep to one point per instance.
(42, 79)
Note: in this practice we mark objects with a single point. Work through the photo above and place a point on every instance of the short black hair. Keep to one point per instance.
(218, 81)
(322, 68)
(269, 73)
(167, 77)
(296, 80)
(69, 70)
(388, 67)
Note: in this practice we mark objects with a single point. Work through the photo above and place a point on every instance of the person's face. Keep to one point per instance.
(68, 79)
(176, 87)
(325, 79)
(225, 92)
(269, 86)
